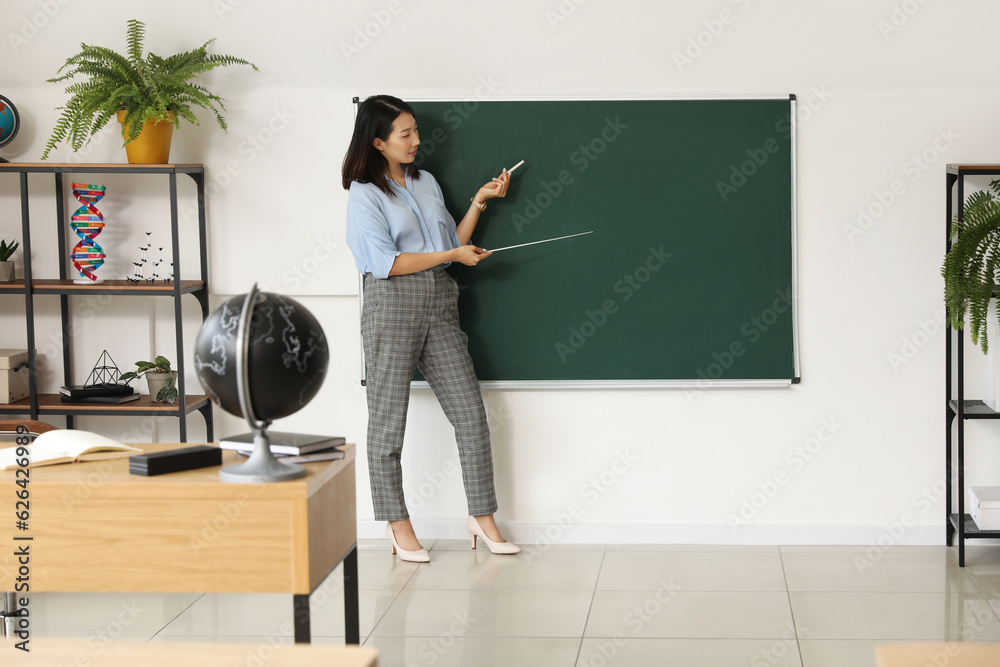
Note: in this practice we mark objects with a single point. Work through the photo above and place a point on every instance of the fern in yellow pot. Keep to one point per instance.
(142, 89)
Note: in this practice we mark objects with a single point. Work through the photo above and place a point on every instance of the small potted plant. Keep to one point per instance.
(7, 266)
(161, 379)
(147, 94)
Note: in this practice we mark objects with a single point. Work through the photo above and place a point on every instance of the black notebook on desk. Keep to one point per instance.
(174, 460)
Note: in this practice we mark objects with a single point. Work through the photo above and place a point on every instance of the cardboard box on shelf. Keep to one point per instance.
(984, 506)
(13, 375)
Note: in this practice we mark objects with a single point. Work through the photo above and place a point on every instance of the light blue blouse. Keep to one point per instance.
(380, 227)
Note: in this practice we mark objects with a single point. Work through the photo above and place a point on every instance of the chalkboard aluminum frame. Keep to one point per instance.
(696, 384)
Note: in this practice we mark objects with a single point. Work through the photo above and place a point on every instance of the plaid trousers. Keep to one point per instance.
(410, 322)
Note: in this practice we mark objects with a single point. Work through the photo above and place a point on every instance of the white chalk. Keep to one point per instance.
(511, 170)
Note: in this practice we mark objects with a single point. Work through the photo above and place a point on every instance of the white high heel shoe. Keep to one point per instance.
(419, 556)
(475, 530)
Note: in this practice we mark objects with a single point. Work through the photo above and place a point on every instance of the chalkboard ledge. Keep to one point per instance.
(626, 384)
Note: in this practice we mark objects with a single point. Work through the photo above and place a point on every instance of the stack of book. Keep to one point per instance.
(109, 393)
(291, 447)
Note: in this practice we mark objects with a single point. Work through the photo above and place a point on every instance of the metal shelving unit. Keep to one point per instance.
(959, 523)
(51, 404)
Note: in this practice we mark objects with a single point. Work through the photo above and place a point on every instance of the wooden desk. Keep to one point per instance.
(952, 654)
(61, 652)
(96, 528)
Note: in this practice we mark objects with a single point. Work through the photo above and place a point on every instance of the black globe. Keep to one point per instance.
(287, 360)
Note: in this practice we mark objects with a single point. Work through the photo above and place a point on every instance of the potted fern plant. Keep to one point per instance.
(145, 92)
(7, 266)
(161, 379)
(971, 271)
(971, 267)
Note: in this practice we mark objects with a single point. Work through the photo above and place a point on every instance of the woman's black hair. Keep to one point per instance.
(364, 163)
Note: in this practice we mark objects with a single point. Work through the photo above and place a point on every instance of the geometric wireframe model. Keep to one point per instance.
(105, 371)
(88, 222)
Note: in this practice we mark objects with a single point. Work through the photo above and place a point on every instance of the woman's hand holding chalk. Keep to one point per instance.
(499, 183)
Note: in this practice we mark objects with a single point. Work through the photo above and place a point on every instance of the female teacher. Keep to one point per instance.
(402, 238)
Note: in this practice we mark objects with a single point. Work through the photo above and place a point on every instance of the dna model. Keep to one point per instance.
(87, 222)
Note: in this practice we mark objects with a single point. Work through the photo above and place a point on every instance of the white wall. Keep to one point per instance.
(879, 84)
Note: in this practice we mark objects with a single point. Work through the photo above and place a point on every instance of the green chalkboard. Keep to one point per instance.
(689, 274)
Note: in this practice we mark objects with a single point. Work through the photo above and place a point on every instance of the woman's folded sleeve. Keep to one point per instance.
(369, 239)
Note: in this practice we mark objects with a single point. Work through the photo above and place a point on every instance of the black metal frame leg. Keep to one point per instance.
(352, 624)
(300, 612)
(352, 614)
(8, 612)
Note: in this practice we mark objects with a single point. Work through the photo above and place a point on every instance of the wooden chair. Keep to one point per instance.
(9, 428)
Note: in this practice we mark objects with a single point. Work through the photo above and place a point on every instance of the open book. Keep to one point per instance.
(65, 446)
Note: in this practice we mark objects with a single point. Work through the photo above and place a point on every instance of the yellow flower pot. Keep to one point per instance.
(152, 146)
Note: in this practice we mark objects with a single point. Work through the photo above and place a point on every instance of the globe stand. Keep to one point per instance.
(262, 466)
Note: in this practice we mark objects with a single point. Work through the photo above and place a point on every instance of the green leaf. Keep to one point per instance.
(168, 393)
(7, 250)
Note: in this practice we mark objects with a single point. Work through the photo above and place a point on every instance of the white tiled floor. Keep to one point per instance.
(592, 606)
